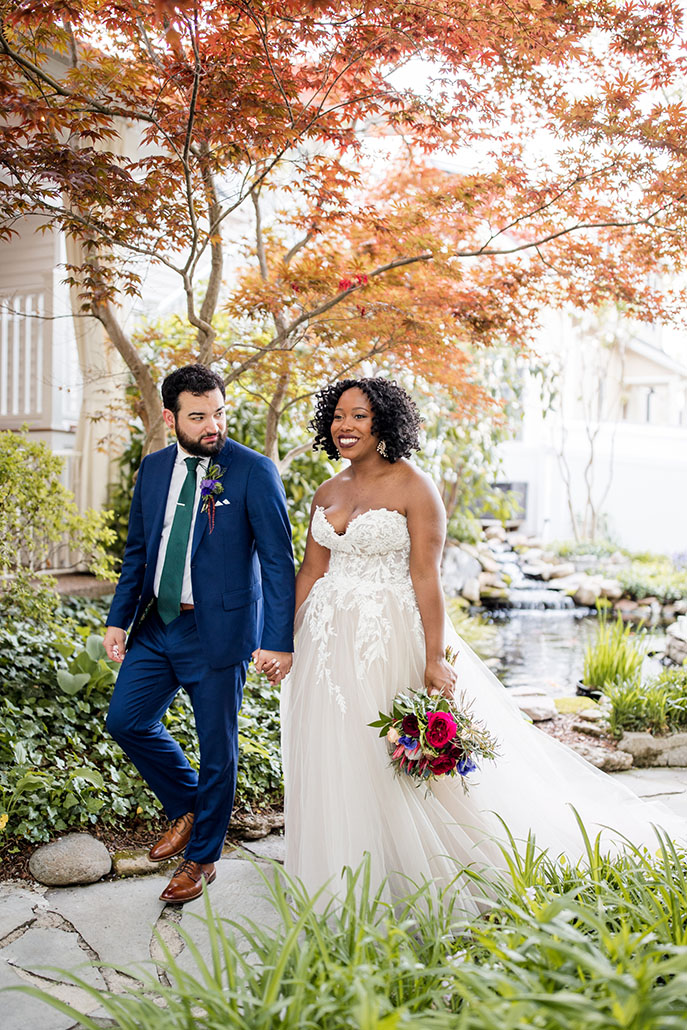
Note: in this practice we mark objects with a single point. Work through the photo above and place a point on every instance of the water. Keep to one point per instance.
(545, 649)
(542, 648)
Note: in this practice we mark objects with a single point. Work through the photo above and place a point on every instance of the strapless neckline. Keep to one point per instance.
(370, 511)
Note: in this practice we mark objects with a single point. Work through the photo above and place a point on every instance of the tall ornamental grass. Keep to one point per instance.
(615, 655)
(601, 945)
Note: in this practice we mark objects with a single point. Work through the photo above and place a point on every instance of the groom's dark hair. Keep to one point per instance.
(195, 379)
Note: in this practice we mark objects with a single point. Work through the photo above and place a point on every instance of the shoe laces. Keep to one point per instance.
(188, 866)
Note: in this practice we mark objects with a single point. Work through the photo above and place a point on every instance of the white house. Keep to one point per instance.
(611, 458)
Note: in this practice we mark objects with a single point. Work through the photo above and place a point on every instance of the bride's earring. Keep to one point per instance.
(381, 448)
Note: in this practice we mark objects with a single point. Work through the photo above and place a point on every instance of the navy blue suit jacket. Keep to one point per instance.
(242, 572)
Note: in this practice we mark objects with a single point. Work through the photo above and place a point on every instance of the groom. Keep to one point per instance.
(207, 580)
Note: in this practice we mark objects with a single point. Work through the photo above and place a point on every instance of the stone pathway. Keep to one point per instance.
(83, 929)
(113, 922)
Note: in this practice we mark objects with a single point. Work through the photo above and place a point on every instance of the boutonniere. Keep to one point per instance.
(210, 488)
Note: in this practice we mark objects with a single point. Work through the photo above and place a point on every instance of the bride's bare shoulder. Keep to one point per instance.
(326, 492)
(419, 488)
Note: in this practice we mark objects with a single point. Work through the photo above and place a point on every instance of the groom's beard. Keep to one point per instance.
(197, 447)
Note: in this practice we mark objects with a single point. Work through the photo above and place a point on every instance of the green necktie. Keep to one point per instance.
(172, 578)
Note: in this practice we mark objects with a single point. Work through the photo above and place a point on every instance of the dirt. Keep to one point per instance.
(561, 729)
(14, 864)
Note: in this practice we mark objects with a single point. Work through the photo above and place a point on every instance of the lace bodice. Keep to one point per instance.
(368, 580)
(374, 548)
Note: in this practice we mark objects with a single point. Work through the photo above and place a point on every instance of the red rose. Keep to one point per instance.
(442, 764)
(410, 726)
(441, 728)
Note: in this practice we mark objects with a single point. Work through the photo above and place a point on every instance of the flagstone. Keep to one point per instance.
(16, 908)
(239, 893)
(52, 954)
(116, 918)
(21, 1011)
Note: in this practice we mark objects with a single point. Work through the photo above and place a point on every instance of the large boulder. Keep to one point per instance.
(648, 750)
(74, 858)
(587, 593)
(458, 568)
(560, 571)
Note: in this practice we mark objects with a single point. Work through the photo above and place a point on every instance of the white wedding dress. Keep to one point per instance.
(359, 641)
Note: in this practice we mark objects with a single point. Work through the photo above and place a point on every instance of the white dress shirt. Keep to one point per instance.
(178, 476)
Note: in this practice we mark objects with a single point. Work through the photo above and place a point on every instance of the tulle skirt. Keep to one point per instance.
(342, 799)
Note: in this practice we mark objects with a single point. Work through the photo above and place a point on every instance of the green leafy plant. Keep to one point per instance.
(657, 706)
(657, 578)
(38, 513)
(59, 768)
(615, 655)
(600, 944)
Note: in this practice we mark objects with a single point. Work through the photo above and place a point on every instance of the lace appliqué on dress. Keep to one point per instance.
(370, 559)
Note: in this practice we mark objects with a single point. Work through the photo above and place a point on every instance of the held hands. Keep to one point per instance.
(114, 643)
(440, 678)
(275, 664)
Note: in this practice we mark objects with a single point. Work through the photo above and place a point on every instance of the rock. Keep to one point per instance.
(75, 858)
(491, 579)
(488, 563)
(587, 593)
(648, 750)
(668, 613)
(517, 539)
(592, 729)
(676, 649)
(137, 863)
(538, 706)
(493, 594)
(251, 827)
(678, 629)
(495, 532)
(611, 589)
(470, 591)
(603, 758)
(565, 568)
(591, 714)
(458, 568)
(681, 606)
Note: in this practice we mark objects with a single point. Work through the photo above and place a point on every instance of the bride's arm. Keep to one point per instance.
(427, 527)
(315, 564)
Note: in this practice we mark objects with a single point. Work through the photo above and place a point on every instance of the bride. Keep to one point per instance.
(370, 622)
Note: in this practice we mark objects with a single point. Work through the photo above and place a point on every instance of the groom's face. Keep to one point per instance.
(200, 423)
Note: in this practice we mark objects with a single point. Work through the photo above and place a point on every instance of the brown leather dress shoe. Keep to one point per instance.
(187, 882)
(174, 841)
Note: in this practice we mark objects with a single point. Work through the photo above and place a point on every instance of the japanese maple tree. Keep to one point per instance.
(386, 178)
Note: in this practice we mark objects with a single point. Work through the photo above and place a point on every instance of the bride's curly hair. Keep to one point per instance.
(395, 418)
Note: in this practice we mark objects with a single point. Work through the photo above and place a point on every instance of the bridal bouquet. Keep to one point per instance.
(432, 737)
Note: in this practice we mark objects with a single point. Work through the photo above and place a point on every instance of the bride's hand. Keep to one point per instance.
(440, 678)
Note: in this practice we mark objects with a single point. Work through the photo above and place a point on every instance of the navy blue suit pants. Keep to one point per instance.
(161, 659)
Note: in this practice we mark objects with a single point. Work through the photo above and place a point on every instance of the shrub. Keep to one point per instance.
(658, 706)
(657, 578)
(58, 766)
(614, 655)
(38, 512)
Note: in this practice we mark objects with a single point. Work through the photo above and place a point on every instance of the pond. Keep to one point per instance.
(544, 649)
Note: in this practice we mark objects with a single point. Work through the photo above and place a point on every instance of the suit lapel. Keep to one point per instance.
(156, 499)
(224, 459)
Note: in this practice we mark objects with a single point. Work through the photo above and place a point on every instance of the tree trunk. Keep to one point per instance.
(156, 436)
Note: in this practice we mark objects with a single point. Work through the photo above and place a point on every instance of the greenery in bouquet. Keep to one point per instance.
(432, 737)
